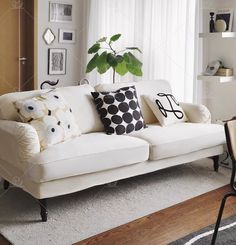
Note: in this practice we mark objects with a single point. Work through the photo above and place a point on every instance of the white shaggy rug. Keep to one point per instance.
(77, 216)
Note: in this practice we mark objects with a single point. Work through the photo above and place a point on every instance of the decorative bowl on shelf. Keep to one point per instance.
(220, 26)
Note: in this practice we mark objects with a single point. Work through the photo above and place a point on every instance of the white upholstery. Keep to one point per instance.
(97, 158)
(143, 88)
(181, 138)
(8, 110)
(86, 154)
(83, 107)
(196, 113)
(18, 142)
(78, 97)
(81, 182)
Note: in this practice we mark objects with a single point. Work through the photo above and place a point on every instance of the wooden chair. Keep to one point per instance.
(230, 132)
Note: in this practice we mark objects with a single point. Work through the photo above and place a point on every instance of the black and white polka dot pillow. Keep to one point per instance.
(119, 111)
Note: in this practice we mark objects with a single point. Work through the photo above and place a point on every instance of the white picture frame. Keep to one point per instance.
(48, 36)
(67, 36)
(60, 12)
(57, 61)
(227, 16)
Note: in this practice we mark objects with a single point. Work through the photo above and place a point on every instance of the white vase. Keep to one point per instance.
(220, 26)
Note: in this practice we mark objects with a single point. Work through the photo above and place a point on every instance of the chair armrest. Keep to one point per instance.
(196, 113)
(18, 142)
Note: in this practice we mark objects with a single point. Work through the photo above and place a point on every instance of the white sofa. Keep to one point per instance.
(96, 158)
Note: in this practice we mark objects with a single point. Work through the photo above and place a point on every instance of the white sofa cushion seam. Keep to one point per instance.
(97, 153)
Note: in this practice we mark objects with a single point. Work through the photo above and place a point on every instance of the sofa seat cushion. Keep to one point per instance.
(87, 154)
(181, 138)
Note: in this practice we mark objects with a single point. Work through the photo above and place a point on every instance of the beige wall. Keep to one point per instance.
(220, 97)
(75, 64)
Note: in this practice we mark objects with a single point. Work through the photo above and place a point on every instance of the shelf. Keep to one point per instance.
(220, 79)
(218, 35)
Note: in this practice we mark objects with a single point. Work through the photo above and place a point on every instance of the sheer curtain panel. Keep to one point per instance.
(163, 29)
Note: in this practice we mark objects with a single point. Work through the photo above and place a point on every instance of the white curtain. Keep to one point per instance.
(163, 29)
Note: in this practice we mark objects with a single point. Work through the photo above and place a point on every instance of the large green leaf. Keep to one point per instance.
(115, 37)
(133, 60)
(134, 48)
(134, 66)
(135, 70)
(121, 68)
(94, 48)
(92, 63)
(102, 65)
(112, 60)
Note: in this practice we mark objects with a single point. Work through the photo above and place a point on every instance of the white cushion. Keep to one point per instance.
(51, 116)
(196, 113)
(143, 88)
(166, 108)
(181, 138)
(78, 97)
(84, 109)
(87, 154)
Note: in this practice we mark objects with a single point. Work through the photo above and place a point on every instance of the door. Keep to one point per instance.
(16, 45)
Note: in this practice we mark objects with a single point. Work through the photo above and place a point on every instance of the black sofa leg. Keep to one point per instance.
(6, 184)
(43, 209)
(216, 162)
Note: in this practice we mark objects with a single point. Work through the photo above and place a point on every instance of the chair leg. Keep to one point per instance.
(5, 184)
(222, 206)
(216, 162)
(43, 209)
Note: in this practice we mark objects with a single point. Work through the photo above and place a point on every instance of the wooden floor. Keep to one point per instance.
(169, 224)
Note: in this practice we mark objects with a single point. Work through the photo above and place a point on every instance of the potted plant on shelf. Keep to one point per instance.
(106, 57)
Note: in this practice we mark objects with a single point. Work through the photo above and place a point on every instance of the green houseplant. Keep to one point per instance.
(105, 57)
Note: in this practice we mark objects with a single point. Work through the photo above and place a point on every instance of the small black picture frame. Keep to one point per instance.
(57, 61)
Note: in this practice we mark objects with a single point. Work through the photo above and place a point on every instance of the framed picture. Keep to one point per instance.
(66, 36)
(227, 16)
(56, 61)
(48, 36)
(60, 12)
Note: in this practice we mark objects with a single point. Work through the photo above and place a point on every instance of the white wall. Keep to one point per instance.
(220, 97)
(74, 65)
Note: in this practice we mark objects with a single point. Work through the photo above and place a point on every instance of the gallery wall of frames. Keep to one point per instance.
(60, 30)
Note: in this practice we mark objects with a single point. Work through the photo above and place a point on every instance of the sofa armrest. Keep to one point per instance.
(18, 142)
(196, 113)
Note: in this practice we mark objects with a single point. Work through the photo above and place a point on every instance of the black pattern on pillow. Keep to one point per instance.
(166, 109)
(119, 111)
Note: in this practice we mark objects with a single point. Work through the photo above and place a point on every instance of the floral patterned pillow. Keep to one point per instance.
(51, 116)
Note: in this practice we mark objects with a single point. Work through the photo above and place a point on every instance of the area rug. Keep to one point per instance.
(226, 234)
(80, 215)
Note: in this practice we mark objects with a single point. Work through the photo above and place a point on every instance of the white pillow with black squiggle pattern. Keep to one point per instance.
(166, 109)
(51, 116)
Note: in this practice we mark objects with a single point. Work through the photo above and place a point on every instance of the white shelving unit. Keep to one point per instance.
(218, 35)
(220, 79)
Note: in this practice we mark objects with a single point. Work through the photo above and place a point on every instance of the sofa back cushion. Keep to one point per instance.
(84, 109)
(143, 88)
(78, 97)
